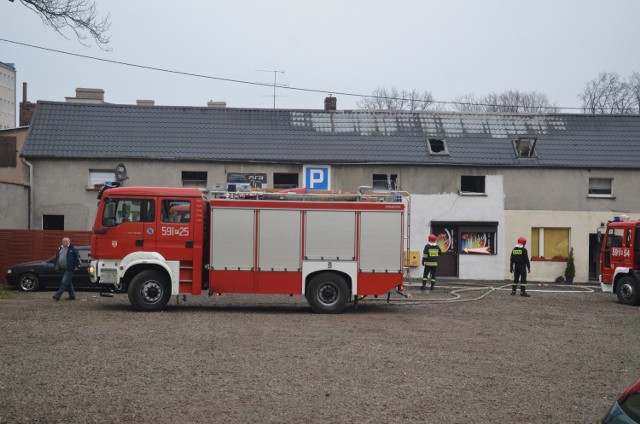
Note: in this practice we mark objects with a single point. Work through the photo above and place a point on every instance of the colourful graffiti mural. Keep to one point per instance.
(477, 243)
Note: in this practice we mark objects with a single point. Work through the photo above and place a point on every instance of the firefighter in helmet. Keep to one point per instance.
(519, 265)
(430, 261)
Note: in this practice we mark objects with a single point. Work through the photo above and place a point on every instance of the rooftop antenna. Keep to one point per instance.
(275, 80)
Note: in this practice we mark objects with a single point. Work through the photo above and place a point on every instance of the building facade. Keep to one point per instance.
(8, 95)
(477, 181)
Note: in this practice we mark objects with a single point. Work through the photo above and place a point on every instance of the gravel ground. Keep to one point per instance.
(487, 357)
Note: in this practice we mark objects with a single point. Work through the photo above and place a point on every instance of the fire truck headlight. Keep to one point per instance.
(91, 269)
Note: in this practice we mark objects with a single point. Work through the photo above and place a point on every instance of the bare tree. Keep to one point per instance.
(634, 82)
(609, 93)
(79, 15)
(392, 99)
(511, 101)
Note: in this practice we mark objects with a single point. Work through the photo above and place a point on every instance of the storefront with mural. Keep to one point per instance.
(458, 240)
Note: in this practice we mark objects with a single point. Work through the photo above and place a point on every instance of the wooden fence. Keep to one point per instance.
(17, 246)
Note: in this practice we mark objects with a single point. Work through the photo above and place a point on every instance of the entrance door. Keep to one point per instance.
(447, 240)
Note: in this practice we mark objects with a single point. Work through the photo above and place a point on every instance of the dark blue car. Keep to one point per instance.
(31, 276)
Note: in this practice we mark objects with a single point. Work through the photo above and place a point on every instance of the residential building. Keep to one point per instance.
(14, 180)
(478, 181)
(7, 95)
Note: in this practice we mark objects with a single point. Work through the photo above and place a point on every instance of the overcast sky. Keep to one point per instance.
(450, 48)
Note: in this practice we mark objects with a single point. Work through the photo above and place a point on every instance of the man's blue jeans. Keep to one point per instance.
(66, 285)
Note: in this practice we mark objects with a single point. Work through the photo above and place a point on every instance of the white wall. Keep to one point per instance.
(454, 207)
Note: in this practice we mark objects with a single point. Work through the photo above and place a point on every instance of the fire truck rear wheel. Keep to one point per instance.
(327, 293)
(149, 291)
(628, 290)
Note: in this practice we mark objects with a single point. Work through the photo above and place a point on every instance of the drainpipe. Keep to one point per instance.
(30, 203)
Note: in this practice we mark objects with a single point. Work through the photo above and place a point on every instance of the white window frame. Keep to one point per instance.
(541, 230)
(601, 195)
(97, 177)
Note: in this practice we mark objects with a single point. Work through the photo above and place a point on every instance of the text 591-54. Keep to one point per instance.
(620, 252)
(175, 231)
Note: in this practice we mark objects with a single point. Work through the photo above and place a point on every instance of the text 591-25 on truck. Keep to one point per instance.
(154, 242)
(620, 260)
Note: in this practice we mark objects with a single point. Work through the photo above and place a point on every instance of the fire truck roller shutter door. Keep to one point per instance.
(381, 242)
(330, 235)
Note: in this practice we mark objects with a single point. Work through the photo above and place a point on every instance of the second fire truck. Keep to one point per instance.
(620, 260)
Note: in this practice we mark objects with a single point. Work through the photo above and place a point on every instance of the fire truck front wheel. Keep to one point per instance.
(327, 293)
(628, 291)
(149, 291)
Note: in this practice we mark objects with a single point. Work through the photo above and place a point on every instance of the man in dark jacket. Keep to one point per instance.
(67, 260)
(519, 265)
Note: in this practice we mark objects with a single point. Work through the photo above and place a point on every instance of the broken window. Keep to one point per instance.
(525, 147)
(194, 178)
(472, 184)
(385, 181)
(284, 180)
(438, 146)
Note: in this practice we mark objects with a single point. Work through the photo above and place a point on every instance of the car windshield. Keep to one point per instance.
(631, 406)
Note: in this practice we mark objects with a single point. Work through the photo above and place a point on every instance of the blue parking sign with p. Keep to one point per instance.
(317, 177)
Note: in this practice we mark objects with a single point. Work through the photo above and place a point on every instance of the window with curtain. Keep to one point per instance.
(600, 186)
(550, 243)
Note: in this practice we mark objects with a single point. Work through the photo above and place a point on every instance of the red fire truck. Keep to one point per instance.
(155, 242)
(620, 260)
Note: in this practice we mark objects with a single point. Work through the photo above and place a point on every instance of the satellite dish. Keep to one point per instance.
(121, 173)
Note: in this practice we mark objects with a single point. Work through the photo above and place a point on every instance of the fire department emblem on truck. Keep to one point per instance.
(114, 243)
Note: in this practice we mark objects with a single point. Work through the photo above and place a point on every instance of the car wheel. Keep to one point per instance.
(628, 292)
(28, 282)
(149, 291)
(328, 293)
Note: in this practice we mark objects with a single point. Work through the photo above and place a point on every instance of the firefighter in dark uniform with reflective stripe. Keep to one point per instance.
(519, 265)
(430, 261)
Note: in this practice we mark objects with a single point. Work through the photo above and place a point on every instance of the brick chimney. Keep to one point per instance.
(330, 103)
(145, 102)
(26, 108)
(87, 95)
(211, 103)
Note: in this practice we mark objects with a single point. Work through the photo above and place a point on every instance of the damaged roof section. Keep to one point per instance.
(308, 136)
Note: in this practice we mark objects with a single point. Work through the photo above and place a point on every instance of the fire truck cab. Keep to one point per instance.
(620, 260)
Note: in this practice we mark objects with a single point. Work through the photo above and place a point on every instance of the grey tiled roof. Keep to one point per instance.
(313, 136)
